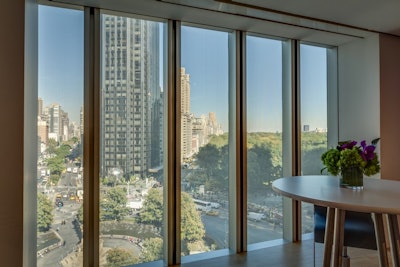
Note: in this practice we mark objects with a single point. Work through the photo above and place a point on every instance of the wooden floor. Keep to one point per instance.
(287, 255)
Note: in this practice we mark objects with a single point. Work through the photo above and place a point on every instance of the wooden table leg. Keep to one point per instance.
(380, 239)
(394, 237)
(338, 238)
(329, 226)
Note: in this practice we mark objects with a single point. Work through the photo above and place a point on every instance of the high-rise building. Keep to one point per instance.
(131, 97)
(40, 106)
(43, 130)
(186, 117)
(53, 115)
(57, 121)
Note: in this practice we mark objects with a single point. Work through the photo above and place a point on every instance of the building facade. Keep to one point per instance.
(131, 97)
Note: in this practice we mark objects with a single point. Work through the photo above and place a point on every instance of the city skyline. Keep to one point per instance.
(61, 73)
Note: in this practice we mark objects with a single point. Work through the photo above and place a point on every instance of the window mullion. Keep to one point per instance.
(172, 190)
(91, 136)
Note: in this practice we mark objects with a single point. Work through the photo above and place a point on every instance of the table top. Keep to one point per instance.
(378, 195)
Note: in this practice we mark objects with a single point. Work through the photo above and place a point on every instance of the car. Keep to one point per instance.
(212, 213)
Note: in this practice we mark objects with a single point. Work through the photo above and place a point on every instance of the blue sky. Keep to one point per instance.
(205, 57)
(61, 58)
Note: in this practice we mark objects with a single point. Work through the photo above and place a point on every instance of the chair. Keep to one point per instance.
(359, 230)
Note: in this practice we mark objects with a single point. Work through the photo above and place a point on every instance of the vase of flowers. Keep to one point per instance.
(352, 162)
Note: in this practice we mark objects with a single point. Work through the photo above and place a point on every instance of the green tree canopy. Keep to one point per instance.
(152, 249)
(192, 228)
(113, 205)
(56, 165)
(213, 165)
(152, 212)
(63, 151)
(208, 158)
(52, 146)
(117, 257)
(260, 169)
(44, 213)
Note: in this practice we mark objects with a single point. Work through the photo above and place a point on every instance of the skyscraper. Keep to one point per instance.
(130, 96)
(186, 116)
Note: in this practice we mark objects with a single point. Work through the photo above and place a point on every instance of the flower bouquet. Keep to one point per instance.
(352, 162)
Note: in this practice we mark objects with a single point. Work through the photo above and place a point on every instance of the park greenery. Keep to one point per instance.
(113, 205)
(152, 249)
(117, 257)
(44, 213)
(264, 160)
(58, 154)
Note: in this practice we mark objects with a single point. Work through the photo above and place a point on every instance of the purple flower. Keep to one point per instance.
(348, 145)
(367, 152)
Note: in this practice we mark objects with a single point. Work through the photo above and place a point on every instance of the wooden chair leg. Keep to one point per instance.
(380, 239)
(338, 241)
(330, 220)
(394, 238)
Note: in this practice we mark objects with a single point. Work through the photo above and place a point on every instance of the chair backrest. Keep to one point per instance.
(359, 230)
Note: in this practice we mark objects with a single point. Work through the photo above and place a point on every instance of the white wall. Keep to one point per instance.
(359, 83)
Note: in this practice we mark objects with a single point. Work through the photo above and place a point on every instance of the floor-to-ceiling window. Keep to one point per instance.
(313, 117)
(264, 138)
(132, 141)
(204, 138)
(60, 133)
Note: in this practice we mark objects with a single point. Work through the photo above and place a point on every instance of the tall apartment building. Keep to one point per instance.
(58, 121)
(43, 130)
(131, 97)
(186, 116)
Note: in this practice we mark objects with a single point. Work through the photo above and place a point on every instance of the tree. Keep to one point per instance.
(113, 205)
(311, 161)
(152, 212)
(117, 257)
(56, 165)
(54, 178)
(51, 146)
(260, 169)
(63, 151)
(44, 213)
(192, 228)
(152, 249)
(79, 216)
(208, 159)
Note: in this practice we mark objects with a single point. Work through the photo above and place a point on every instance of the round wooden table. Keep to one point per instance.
(379, 197)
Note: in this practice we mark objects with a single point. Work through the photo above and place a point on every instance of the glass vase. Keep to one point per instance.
(352, 177)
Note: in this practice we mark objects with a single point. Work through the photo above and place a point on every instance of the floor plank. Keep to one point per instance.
(287, 255)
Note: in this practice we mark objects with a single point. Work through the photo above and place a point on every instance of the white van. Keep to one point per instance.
(255, 216)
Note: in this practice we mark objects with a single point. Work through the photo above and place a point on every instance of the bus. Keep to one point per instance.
(202, 205)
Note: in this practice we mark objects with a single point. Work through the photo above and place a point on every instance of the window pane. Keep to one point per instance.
(264, 138)
(204, 140)
(60, 135)
(131, 173)
(313, 95)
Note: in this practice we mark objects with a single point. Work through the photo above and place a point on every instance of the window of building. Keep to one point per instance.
(129, 200)
(60, 127)
(264, 138)
(313, 118)
(131, 208)
(204, 93)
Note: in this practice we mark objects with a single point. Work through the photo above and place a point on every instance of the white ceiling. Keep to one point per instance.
(375, 15)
